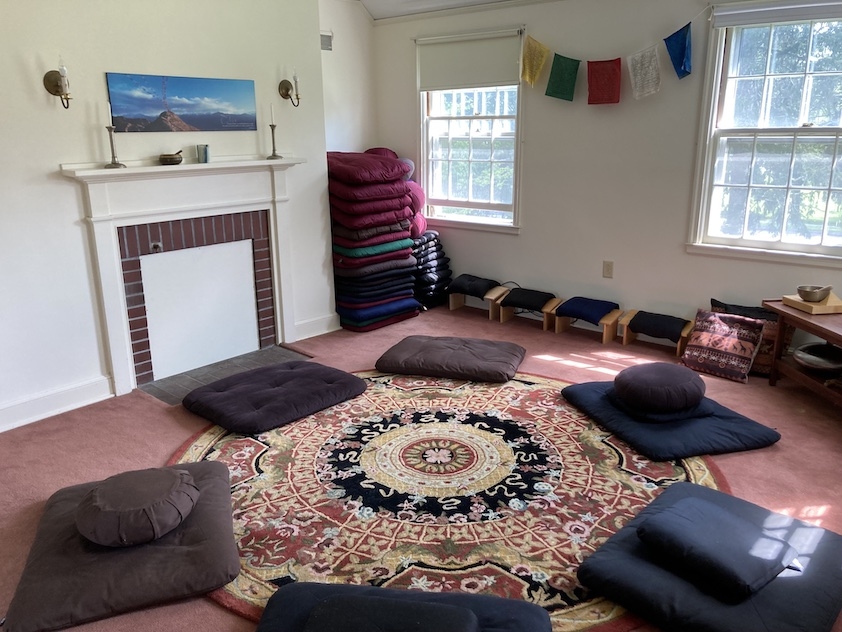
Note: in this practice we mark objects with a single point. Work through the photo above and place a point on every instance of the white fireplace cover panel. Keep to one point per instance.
(200, 306)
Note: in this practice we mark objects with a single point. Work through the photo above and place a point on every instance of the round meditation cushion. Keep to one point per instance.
(659, 387)
(136, 507)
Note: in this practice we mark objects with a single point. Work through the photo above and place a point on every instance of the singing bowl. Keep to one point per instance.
(170, 159)
(814, 293)
(819, 356)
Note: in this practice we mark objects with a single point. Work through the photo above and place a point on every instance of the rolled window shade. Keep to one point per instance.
(756, 13)
(472, 60)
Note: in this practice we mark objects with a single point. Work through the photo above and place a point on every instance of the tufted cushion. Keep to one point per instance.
(588, 309)
(533, 300)
(659, 387)
(261, 399)
(471, 285)
(136, 507)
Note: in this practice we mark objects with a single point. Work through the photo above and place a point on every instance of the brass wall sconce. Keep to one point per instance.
(57, 84)
(289, 91)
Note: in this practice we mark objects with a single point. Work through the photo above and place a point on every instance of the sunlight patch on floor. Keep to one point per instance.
(811, 513)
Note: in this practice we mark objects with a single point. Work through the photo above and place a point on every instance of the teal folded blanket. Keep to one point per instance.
(377, 249)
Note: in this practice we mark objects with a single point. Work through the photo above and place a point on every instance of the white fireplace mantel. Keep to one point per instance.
(148, 194)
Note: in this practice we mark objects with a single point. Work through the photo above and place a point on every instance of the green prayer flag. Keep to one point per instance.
(563, 77)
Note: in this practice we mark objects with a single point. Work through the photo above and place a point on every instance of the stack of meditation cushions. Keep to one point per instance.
(433, 273)
(371, 213)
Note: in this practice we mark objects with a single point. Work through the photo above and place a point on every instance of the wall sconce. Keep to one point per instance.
(289, 91)
(57, 84)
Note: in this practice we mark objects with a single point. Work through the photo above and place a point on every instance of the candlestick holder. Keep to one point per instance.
(275, 155)
(114, 164)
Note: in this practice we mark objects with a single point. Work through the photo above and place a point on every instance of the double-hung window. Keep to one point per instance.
(771, 180)
(469, 87)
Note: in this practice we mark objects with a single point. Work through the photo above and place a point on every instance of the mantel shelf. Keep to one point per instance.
(91, 173)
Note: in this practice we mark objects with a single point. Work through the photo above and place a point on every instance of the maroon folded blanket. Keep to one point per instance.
(366, 233)
(381, 266)
(364, 207)
(371, 241)
(341, 261)
(364, 168)
(373, 219)
(363, 192)
(419, 199)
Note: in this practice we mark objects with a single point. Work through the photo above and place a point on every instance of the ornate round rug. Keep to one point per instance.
(438, 485)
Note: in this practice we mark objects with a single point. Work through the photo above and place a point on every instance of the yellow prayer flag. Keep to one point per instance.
(535, 55)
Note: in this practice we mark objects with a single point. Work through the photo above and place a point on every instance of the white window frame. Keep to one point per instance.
(423, 167)
(748, 14)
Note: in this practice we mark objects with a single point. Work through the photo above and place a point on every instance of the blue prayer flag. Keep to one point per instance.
(678, 47)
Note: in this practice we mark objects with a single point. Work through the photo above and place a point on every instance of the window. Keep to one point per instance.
(470, 154)
(469, 88)
(772, 174)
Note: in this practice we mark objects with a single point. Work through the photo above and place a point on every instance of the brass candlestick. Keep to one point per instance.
(275, 153)
(114, 164)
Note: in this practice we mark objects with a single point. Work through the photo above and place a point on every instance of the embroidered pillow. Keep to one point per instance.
(723, 345)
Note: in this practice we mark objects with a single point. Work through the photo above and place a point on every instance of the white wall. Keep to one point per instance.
(51, 345)
(348, 74)
(607, 182)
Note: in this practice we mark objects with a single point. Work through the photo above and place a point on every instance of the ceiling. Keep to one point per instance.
(381, 9)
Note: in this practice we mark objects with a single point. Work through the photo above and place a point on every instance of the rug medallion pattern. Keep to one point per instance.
(437, 485)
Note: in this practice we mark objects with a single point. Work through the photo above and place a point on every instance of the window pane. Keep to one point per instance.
(751, 49)
(827, 47)
(481, 181)
(460, 178)
(460, 144)
(733, 161)
(743, 103)
(825, 101)
(503, 175)
(439, 177)
(481, 149)
(728, 212)
(771, 162)
(439, 142)
(785, 105)
(812, 163)
(805, 217)
(833, 236)
(503, 149)
(765, 214)
(789, 48)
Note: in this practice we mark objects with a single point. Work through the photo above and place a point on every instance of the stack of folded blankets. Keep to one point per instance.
(433, 273)
(371, 213)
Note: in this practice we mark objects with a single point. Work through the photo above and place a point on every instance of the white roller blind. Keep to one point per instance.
(469, 61)
(753, 13)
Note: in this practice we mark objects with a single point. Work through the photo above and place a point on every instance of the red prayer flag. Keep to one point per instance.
(604, 81)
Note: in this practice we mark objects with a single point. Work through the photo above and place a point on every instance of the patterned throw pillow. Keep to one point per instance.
(723, 345)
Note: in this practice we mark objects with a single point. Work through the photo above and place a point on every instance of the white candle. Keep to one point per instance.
(272, 109)
(295, 80)
(110, 114)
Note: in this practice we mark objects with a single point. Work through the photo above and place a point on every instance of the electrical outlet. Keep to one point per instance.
(608, 269)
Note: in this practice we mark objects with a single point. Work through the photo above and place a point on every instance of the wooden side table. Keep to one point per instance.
(828, 327)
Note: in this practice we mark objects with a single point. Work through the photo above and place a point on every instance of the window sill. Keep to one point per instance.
(433, 222)
(768, 256)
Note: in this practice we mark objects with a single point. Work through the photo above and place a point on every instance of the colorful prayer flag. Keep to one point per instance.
(535, 55)
(678, 46)
(563, 77)
(604, 81)
(645, 72)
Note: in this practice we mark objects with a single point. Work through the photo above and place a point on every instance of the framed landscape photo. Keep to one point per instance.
(159, 103)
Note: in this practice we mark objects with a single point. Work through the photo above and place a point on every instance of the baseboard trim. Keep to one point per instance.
(49, 403)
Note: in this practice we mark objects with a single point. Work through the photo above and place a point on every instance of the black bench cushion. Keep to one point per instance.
(716, 429)
(471, 285)
(289, 609)
(453, 357)
(261, 399)
(625, 570)
(69, 580)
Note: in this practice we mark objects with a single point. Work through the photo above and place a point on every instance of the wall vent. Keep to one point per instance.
(327, 41)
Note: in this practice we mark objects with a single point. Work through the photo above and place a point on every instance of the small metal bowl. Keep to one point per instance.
(813, 293)
(170, 159)
(819, 356)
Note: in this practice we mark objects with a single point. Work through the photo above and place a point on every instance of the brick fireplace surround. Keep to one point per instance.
(148, 209)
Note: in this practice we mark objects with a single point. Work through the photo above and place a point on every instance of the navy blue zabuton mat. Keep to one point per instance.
(625, 571)
(717, 433)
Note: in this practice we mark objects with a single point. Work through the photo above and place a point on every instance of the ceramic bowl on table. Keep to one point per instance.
(814, 293)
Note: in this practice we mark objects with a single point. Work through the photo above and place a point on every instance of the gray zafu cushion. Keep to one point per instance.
(69, 580)
(261, 399)
(453, 357)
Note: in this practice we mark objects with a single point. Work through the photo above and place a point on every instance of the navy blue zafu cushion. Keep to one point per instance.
(261, 399)
(659, 387)
(588, 309)
(291, 606)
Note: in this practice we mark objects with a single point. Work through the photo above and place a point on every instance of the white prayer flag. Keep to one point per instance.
(645, 72)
